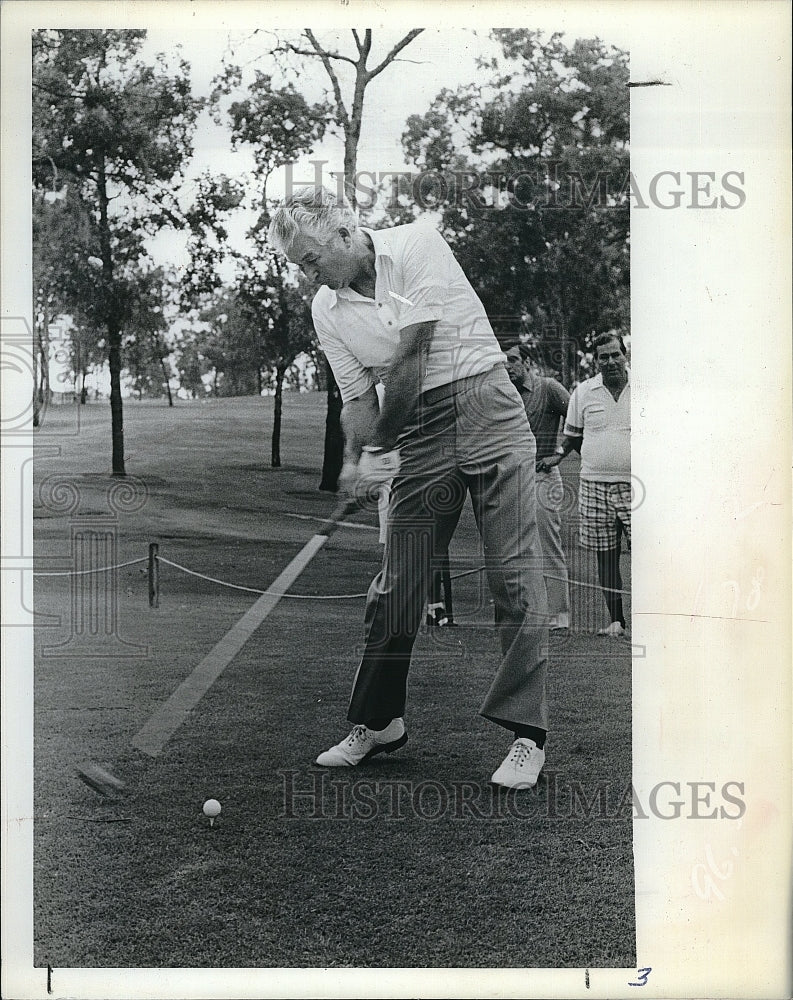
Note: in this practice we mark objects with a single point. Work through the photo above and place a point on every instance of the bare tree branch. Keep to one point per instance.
(323, 55)
(394, 52)
(358, 42)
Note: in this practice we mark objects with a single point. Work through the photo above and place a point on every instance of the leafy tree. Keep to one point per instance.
(529, 179)
(63, 240)
(191, 364)
(120, 133)
(269, 311)
(281, 311)
(230, 346)
(86, 355)
(146, 349)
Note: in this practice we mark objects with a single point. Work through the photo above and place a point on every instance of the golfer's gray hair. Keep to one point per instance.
(312, 210)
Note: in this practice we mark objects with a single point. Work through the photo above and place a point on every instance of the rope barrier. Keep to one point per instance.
(580, 583)
(154, 559)
(548, 576)
(253, 590)
(296, 597)
(348, 597)
(86, 572)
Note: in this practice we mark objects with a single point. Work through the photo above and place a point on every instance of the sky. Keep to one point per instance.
(436, 59)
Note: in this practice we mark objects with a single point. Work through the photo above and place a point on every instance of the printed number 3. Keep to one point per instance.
(643, 975)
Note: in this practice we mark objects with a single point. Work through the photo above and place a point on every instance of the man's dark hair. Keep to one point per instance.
(606, 338)
(525, 351)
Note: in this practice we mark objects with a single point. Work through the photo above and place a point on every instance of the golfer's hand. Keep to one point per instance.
(376, 468)
(348, 477)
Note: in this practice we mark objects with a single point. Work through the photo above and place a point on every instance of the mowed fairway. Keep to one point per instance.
(409, 861)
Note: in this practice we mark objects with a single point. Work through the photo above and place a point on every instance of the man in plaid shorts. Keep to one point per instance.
(598, 424)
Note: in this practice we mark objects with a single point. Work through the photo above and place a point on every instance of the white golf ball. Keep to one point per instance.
(211, 808)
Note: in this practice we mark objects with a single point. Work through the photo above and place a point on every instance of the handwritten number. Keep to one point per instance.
(643, 975)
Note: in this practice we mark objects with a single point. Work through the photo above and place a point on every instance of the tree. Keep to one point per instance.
(349, 117)
(190, 363)
(230, 347)
(86, 356)
(278, 125)
(531, 171)
(145, 346)
(281, 311)
(63, 239)
(120, 132)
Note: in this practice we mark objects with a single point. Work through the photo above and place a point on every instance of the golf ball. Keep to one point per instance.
(211, 808)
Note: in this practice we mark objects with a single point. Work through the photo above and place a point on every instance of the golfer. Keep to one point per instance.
(394, 304)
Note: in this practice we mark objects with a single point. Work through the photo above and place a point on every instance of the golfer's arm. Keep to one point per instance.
(358, 419)
(403, 384)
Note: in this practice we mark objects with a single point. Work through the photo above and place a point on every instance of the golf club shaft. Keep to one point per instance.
(343, 509)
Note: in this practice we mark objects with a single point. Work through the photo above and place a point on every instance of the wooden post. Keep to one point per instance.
(154, 576)
(446, 576)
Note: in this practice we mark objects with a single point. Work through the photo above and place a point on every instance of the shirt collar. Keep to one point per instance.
(382, 248)
(531, 381)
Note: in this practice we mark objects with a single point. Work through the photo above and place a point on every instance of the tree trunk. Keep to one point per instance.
(275, 460)
(352, 122)
(44, 346)
(167, 382)
(113, 329)
(116, 405)
(334, 437)
(35, 347)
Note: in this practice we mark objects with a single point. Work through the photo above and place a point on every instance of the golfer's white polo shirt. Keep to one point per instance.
(417, 280)
(606, 423)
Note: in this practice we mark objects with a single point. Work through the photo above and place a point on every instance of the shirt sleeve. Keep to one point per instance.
(558, 396)
(574, 422)
(427, 276)
(352, 378)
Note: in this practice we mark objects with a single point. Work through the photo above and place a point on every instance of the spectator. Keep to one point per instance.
(598, 425)
(545, 401)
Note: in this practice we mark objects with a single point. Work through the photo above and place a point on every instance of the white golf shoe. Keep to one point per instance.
(521, 767)
(363, 743)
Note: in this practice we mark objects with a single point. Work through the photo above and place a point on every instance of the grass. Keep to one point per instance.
(386, 866)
